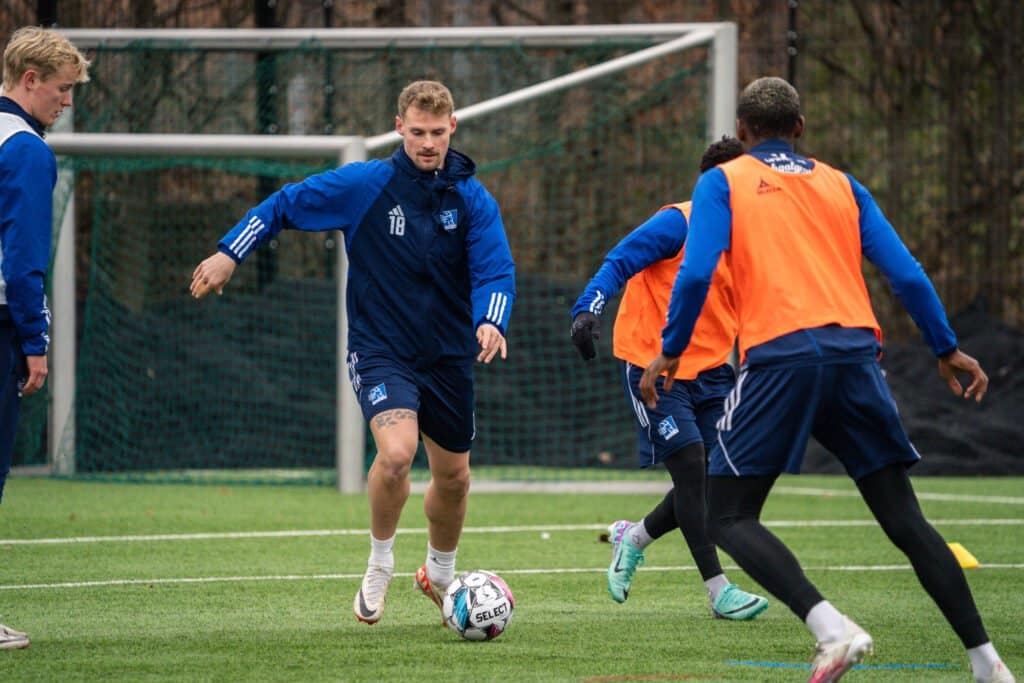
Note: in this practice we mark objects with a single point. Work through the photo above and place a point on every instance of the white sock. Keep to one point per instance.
(983, 659)
(716, 584)
(440, 567)
(382, 553)
(638, 535)
(826, 622)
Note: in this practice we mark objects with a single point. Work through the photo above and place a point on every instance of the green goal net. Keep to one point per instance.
(244, 383)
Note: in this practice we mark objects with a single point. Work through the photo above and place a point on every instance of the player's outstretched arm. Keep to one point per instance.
(212, 274)
(958, 362)
(492, 341)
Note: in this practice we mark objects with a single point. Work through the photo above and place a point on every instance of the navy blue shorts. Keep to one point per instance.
(441, 396)
(771, 413)
(685, 415)
(13, 373)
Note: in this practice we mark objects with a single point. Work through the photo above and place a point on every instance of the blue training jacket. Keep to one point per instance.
(428, 257)
(28, 175)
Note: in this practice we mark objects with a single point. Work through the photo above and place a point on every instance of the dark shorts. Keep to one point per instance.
(441, 396)
(13, 372)
(772, 412)
(685, 415)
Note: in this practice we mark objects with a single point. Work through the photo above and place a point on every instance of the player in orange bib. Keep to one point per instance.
(677, 431)
(793, 231)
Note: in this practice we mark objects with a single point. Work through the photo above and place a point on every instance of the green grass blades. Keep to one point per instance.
(146, 582)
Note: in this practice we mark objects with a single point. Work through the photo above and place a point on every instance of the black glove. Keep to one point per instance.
(586, 327)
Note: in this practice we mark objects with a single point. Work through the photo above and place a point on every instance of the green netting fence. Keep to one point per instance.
(245, 382)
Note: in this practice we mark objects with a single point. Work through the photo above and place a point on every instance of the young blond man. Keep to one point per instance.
(431, 286)
(41, 69)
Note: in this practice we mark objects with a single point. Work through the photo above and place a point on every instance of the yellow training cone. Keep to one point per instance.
(963, 556)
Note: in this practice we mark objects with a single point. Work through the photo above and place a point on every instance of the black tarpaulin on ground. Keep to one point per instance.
(956, 436)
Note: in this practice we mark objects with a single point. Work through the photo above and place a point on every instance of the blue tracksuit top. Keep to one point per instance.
(711, 233)
(428, 258)
(28, 175)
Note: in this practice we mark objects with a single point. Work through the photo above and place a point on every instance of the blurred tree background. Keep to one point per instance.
(920, 100)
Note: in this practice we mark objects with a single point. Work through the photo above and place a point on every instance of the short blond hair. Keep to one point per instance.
(430, 96)
(44, 50)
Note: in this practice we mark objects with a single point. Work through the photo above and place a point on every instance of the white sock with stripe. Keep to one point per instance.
(826, 622)
(440, 567)
(638, 535)
(715, 585)
(983, 660)
(382, 553)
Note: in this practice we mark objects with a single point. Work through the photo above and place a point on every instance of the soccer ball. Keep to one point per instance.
(478, 605)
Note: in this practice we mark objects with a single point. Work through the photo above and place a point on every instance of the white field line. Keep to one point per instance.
(947, 497)
(299, 533)
(613, 487)
(503, 572)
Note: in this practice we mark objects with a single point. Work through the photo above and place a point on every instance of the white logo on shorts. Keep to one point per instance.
(377, 394)
(667, 428)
